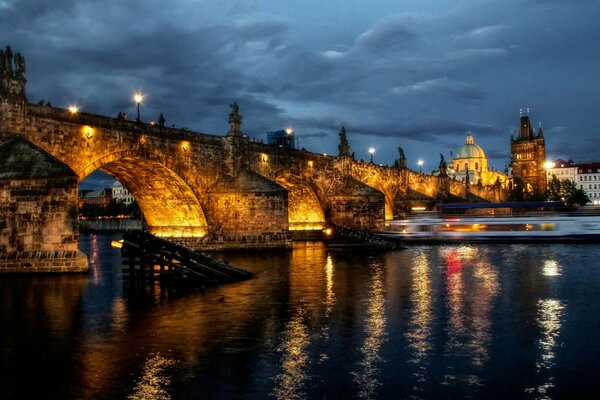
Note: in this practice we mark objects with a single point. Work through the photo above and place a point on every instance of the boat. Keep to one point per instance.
(499, 229)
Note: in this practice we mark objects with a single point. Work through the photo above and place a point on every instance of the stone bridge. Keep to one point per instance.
(210, 191)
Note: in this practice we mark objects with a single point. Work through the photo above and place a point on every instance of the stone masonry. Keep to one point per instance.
(213, 190)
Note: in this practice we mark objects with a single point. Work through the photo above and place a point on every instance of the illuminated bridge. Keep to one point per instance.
(209, 191)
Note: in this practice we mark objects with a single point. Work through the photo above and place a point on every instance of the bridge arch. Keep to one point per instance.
(305, 211)
(168, 203)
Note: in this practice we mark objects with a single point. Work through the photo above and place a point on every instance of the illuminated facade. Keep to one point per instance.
(528, 154)
(470, 160)
(585, 175)
(121, 193)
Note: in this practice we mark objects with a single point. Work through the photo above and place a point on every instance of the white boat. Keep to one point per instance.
(535, 228)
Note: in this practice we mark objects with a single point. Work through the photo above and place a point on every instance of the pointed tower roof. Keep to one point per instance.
(525, 131)
(540, 134)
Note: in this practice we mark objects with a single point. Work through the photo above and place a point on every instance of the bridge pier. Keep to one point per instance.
(38, 211)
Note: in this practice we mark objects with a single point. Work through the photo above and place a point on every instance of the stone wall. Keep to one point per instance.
(38, 211)
(245, 209)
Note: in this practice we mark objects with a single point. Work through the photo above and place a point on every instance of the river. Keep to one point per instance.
(461, 321)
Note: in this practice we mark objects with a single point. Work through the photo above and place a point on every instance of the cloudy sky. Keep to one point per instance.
(418, 74)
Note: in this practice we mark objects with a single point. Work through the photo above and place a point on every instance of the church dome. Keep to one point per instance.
(469, 150)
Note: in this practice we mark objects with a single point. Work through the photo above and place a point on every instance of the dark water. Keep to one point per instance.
(485, 321)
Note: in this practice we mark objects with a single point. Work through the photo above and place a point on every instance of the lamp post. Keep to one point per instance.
(371, 152)
(138, 98)
(420, 164)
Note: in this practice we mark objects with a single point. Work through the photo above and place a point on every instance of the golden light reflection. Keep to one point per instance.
(551, 268)
(549, 318)
(367, 378)
(294, 360)
(152, 383)
(329, 294)
(120, 315)
(419, 334)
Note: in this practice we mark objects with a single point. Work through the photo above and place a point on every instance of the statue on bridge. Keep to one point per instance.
(443, 168)
(401, 162)
(343, 147)
(6, 62)
(19, 66)
(235, 120)
(12, 69)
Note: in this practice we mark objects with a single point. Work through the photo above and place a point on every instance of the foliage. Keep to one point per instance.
(566, 190)
(114, 209)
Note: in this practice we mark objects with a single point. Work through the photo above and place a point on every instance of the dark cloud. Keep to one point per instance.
(456, 89)
(391, 33)
(422, 77)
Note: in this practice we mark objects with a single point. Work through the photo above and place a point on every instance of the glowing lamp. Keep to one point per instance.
(138, 98)
(548, 164)
(264, 157)
(185, 146)
(88, 132)
(73, 109)
(371, 152)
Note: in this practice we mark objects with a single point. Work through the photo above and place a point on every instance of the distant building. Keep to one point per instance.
(585, 175)
(562, 170)
(284, 138)
(470, 160)
(528, 155)
(121, 194)
(100, 198)
(588, 179)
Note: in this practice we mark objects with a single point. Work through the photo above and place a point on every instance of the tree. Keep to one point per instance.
(566, 190)
(572, 195)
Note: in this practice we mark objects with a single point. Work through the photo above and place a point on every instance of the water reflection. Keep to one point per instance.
(419, 332)
(549, 318)
(551, 268)
(450, 322)
(472, 284)
(329, 300)
(367, 379)
(290, 384)
(154, 380)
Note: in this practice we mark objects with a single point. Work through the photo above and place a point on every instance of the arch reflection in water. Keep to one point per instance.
(367, 378)
(290, 384)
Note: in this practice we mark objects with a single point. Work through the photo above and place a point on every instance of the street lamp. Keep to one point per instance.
(138, 98)
(371, 152)
(420, 164)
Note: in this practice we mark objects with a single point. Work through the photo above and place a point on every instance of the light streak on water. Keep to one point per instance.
(367, 378)
(290, 383)
(154, 380)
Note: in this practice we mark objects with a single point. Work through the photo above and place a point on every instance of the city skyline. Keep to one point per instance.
(411, 75)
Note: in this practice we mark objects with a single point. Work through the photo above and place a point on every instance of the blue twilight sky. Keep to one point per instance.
(418, 74)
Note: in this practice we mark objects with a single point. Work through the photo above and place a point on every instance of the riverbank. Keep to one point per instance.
(109, 225)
